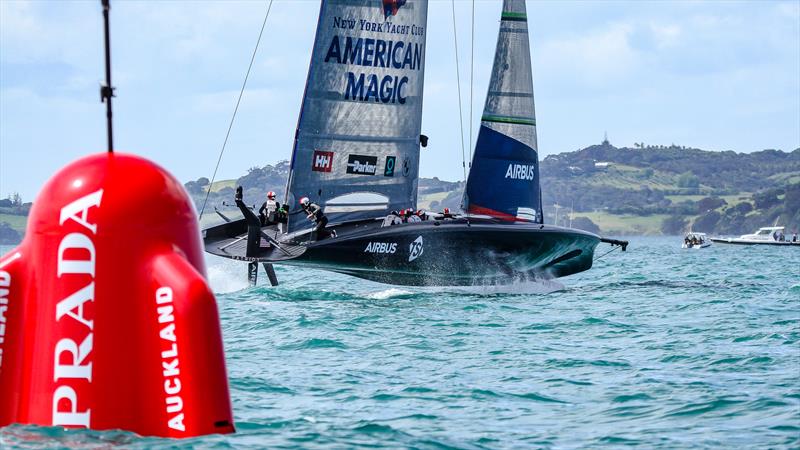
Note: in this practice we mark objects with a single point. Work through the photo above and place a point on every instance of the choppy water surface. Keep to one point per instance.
(659, 347)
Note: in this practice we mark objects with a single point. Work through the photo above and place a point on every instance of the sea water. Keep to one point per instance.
(658, 347)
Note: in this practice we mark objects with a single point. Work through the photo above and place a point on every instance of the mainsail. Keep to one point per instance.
(504, 176)
(356, 149)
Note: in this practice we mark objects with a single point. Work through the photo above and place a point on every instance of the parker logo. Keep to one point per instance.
(521, 171)
(388, 170)
(361, 165)
(415, 249)
(322, 161)
(381, 247)
(390, 7)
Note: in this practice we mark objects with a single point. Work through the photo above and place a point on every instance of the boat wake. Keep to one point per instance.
(518, 287)
(389, 293)
(522, 287)
(226, 277)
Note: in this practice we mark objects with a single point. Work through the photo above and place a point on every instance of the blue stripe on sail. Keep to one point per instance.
(504, 175)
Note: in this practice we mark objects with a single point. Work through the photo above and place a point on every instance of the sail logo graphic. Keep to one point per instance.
(381, 247)
(390, 7)
(388, 169)
(521, 171)
(415, 249)
(322, 161)
(361, 165)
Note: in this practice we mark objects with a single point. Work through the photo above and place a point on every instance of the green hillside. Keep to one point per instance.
(639, 190)
(717, 192)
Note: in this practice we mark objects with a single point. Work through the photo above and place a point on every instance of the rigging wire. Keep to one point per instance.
(241, 92)
(458, 84)
(613, 247)
(471, 72)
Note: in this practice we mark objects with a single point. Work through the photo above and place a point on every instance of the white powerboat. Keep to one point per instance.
(764, 236)
(696, 240)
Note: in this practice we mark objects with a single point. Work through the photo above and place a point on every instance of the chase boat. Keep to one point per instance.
(696, 240)
(356, 154)
(764, 236)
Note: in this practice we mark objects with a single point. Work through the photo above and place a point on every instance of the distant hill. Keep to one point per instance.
(667, 189)
(639, 190)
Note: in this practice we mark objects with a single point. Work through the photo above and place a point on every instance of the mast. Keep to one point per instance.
(504, 177)
(356, 146)
(302, 106)
(107, 91)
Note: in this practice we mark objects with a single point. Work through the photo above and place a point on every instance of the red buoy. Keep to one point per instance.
(106, 319)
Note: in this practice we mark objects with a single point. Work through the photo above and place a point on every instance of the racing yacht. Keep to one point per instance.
(356, 155)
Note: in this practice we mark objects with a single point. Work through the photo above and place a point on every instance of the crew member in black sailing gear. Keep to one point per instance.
(315, 214)
(269, 210)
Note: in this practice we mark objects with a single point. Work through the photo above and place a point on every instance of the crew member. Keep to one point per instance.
(314, 213)
(446, 214)
(281, 215)
(269, 210)
(411, 217)
(392, 219)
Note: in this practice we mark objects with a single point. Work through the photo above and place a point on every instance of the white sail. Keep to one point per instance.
(356, 150)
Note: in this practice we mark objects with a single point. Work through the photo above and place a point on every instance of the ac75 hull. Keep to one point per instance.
(438, 253)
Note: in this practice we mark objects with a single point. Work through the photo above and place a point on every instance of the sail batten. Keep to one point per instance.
(504, 175)
(509, 119)
(361, 117)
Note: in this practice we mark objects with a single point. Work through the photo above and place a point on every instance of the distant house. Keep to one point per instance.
(602, 165)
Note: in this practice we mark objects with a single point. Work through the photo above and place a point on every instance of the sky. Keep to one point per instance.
(717, 75)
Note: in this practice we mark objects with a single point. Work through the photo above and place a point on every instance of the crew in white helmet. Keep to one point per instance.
(269, 210)
(314, 213)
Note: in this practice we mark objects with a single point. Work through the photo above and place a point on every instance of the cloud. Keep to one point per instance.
(692, 72)
(595, 58)
(225, 102)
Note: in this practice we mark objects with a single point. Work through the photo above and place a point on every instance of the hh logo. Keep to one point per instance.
(390, 7)
(415, 249)
(322, 161)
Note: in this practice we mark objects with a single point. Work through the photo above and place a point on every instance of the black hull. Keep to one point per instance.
(447, 253)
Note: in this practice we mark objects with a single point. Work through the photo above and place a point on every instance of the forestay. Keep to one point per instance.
(504, 177)
(356, 150)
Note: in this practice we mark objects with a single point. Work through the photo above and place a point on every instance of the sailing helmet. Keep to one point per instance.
(305, 201)
(271, 195)
(447, 210)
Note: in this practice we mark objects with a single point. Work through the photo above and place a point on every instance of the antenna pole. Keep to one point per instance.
(107, 91)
